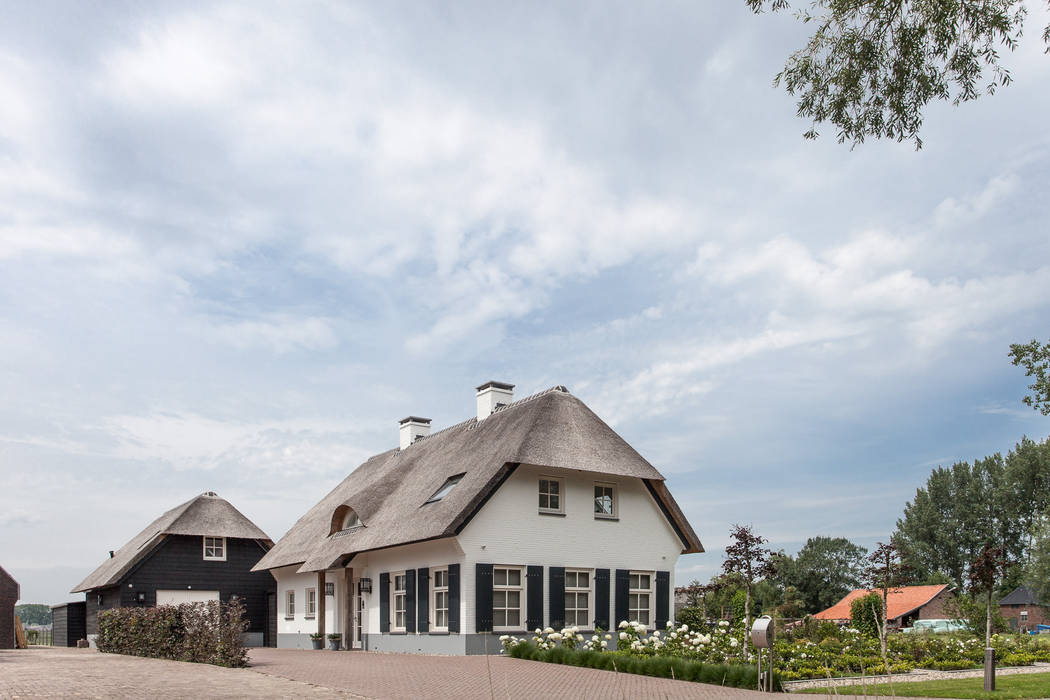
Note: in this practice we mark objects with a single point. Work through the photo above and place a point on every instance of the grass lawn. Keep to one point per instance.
(1021, 685)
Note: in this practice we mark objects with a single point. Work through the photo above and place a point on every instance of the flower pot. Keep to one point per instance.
(333, 644)
(317, 643)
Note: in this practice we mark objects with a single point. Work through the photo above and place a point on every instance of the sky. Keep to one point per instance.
(240, 241)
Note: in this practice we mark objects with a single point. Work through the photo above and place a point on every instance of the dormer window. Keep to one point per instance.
(450, 483)
(344, 519)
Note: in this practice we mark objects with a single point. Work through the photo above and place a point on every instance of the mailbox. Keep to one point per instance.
(762, 632)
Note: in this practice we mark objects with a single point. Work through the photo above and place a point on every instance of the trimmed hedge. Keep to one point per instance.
(207, 633)
(735, 676)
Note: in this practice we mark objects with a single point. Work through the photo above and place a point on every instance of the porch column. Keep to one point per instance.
(320, 603)
(348, 636)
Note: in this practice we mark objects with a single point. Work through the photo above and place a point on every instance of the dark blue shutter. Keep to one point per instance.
(483, 598)
(423, 601)
(601, 599)
(557, 596)
(384, 602)
(663, 599)
(453, 598)
(623, 586)
(410, 600)
(534, 603)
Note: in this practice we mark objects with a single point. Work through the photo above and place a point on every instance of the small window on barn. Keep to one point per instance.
(215, 549)
(450, 483)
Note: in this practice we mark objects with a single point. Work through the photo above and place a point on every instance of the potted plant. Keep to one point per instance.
(317, 639)
(333, 641)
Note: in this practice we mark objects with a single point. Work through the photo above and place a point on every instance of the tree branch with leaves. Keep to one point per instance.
(748, 559)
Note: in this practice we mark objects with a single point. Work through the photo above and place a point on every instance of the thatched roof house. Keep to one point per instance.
(433, 495)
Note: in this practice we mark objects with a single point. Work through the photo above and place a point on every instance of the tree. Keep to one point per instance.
(1038, 570)
(823, 571)
(985, 571)
(1035, 359)
(34, 613)
(746, 558)
(865, 613)
(886, 571)
(872, 66)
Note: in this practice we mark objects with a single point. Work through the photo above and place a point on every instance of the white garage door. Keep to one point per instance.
(176, 597)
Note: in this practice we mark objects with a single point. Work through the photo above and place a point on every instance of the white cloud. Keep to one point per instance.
(281, 333)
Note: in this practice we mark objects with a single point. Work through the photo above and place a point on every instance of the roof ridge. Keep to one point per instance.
(499, 409)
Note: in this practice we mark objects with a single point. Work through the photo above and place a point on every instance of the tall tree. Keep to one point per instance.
(886, 572)
(985, 572)
(1037, 571)
(748, 559)
(1035, 358)
(823, 571)
(872, 66)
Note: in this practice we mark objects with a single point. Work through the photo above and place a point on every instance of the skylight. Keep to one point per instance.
(449, 484)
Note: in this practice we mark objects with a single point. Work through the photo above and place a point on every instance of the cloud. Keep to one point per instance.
(281, 333)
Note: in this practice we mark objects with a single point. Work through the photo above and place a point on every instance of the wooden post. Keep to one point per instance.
(348, 618)
(320, 603)
(989, 669)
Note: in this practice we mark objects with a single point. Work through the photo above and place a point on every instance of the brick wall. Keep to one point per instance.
(1037, 615)
(935, 609)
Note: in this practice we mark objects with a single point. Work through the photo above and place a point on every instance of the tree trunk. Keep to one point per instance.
(988, 621)
(885, 620)
(747, 615)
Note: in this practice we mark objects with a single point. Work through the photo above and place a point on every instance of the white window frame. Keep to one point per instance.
(395, 593)
(205, 548)
(508, 588)
(1023, 616)
(311, 603)
(289, 604)
(560, 495)
(615, 506)
(435, 591)
(588, 589)
(632, 591)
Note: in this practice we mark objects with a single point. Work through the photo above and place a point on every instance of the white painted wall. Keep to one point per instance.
(509, 530)
(287, 580)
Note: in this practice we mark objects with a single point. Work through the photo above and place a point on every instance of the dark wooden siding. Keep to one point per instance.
(8, 598)
(178, 564)
(68, 624)
(96, 600)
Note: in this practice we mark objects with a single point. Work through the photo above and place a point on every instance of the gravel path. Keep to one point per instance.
(916, 675)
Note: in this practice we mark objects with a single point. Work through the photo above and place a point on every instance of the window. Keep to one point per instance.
(439, 600)
(311, 602)
(449, 484)
(215, 548)
(639, 597)
(1024, 616)
(289, 605)
(550, 495)
(350, 520)
(604, 501)
(399, 607)
(506, 598)
(578, 599)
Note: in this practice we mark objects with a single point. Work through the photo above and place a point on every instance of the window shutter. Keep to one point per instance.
(663, 599)
(453, 598)
(483, 598)
(410, 600)
(534, 603)
(623, 585)
(423, 601)
(384, 602)
(601, 599)
(557, 596)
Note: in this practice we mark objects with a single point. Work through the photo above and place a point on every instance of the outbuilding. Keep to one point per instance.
(10, 592)
(68, 623)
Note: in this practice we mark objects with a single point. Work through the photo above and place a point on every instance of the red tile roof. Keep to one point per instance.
(900, 601)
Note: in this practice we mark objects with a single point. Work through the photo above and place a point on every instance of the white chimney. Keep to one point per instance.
(413, 428)
(491, 395)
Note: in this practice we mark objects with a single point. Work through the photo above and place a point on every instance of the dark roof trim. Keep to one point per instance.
(496, 385)
(690, 545)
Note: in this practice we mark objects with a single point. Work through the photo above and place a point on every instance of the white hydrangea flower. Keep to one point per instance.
(608, 636)
(623, 624)
(605, 645)
(656, 633)
(623, 635)
(504, 637)
(723, 623)
(548, 630)
(733, 642)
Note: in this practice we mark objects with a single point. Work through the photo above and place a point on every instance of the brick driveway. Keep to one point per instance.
(287, 673)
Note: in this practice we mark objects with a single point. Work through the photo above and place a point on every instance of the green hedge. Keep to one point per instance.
(200, 632)
(735, 676)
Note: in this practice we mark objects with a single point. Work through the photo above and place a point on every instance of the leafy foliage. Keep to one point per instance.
(1038, 574)
(823, 571)
(34, 613)
(200, 632)
(974, 615)
(748, 559)
(865, 613)
(872, 66)
(1035, 358)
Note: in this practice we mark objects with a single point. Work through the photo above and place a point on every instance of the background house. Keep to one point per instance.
(201, 550)
(1022, 611)
(68, 623)
(9, 595)
(904, 605)
(534, 513)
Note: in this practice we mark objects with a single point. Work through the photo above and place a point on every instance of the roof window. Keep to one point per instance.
(450, 483)
(344, 518)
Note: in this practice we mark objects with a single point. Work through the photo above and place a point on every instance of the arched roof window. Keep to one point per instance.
(344, 518)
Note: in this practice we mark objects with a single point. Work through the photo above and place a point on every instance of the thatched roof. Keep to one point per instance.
(206, 514)
(389, 491)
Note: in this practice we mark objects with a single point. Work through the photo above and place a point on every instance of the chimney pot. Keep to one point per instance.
(412, 429)
(492, 395)
(111, 554)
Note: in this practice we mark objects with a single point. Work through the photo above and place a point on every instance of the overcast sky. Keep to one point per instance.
(239, 242)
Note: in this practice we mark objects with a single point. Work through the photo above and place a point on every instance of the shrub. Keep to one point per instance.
(866, 614)
(200, 632)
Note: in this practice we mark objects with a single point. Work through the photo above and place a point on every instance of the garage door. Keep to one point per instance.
(176, 597)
